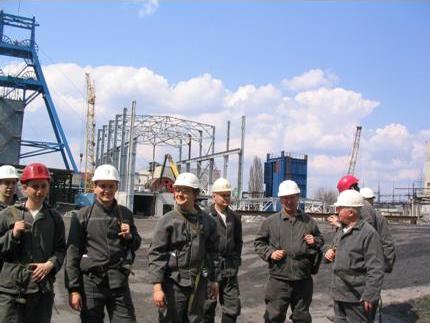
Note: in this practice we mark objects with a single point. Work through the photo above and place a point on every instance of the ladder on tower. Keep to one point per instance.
(354, 152)
(90, 135)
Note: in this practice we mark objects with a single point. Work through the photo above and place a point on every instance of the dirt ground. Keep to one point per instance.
(406, 294)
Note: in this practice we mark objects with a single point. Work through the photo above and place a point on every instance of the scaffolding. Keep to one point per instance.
(117, 141)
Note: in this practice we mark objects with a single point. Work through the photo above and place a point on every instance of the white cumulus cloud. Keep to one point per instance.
(319, 120)
(146, 7)
(311, 79)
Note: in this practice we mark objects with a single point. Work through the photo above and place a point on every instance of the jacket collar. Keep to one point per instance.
(105, 208)
(357, 227)
(284, 216)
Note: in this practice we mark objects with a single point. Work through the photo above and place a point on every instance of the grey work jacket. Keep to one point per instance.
(283, 232)
(182, 244)
(230, 241)
(94, 246)
(358, 267)
(44, 241)
(380, 224)
(3, 206)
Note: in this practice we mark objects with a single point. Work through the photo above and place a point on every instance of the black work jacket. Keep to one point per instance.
(44, 241)
(282, 232)
(182, 244)
(230, 241)
(94, 246)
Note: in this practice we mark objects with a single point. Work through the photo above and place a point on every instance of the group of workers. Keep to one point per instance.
(194, 255)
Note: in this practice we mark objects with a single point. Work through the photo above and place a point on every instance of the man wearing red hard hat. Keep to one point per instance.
(32, 244)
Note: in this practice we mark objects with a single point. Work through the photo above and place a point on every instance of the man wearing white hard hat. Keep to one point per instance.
(368, 194)
(372, 216)
(8, 185)
(358, 263)
(229, 227)
(183, 256)
(290, 241)
(100, 252)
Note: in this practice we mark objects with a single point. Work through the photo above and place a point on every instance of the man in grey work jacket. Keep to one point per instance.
(8, 184)
(229, 227)
(183, 250)
(32, 247)
(375, 219)
(289, 241)
(100, 251)
(358, 263)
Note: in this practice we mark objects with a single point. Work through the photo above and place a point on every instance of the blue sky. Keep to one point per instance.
(379, 50)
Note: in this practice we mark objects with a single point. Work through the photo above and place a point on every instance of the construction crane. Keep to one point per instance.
(163, 182)
(90, 132)
(354, 152)
(172, 165)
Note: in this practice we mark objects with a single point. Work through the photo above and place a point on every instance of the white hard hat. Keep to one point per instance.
(187, 179)
(7, 171)
(288, 187)
(106, 172)
(349, 198)
(221, 185)
(367, 193)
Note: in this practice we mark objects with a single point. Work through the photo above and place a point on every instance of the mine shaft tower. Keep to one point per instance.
(20, 89)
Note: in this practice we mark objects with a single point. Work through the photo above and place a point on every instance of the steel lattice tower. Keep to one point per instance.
(28, 83)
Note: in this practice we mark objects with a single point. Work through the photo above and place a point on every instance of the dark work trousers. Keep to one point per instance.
(228, 298)
(352, 313)
(178, 301)
(118, 302)
(280, 294)
(37, 308)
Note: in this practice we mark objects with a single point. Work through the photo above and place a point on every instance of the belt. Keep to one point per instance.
(99, 269)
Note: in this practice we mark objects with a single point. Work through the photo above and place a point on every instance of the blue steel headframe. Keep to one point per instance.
(30, 82)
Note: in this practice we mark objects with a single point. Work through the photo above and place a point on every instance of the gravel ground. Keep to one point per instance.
(405, 295)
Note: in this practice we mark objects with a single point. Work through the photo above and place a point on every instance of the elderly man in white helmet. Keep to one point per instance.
(8, 185)
(290, 241)
(358, 263)
(100, 252)
(229, 227)
(183, 252)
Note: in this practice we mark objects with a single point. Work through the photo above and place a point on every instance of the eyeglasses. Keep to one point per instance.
(184, 190)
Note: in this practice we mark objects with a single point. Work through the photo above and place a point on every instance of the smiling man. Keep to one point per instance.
(32, 245)
(289, 241)
(182, 251)
(100, 251)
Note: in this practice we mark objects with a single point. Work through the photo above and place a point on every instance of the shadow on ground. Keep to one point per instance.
(402, 311)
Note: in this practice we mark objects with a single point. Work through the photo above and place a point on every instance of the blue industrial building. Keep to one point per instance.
(287, 166)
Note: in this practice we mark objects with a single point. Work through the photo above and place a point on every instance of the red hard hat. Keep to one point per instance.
(35, 171)
(346, 182)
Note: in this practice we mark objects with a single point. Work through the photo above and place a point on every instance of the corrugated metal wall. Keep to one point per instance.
(283, 167)
(11, 115)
